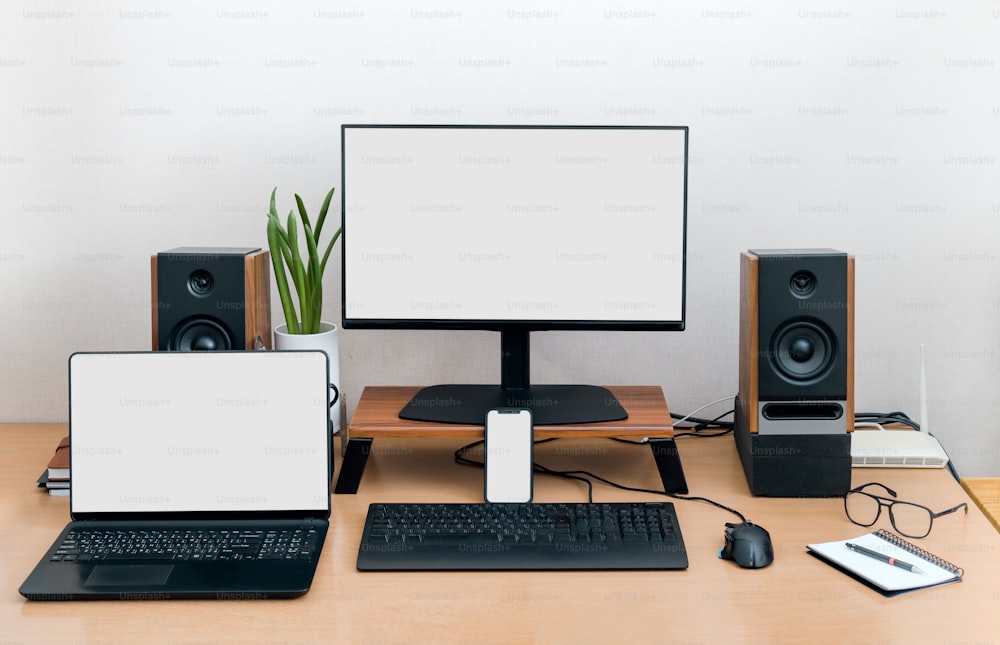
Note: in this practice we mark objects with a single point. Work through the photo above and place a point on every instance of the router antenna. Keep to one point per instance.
(924, 425)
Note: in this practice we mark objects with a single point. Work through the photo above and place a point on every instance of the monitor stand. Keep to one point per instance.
(377, 415)
(549, 404)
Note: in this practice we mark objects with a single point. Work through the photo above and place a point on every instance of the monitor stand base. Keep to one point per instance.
(549, 404)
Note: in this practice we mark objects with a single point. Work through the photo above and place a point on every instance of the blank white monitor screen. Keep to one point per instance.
(525, 226)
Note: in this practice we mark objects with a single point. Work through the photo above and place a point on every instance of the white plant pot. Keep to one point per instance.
(327, 340)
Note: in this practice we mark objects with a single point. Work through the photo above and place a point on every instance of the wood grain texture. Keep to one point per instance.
(797, 599)
(154, 303)
(985, 492)
(377, 415)
(849, 412)
(749, 358)
(749, 341)
(258, 299)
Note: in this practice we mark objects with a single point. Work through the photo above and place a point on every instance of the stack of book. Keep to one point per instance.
(56, 476)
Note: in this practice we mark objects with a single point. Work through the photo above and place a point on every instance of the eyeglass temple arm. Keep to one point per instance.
(858, 489)
(952, 510)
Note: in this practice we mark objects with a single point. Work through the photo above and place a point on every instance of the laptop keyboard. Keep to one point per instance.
(86, 545)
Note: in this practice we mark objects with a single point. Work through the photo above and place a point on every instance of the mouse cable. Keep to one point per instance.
(583, 475)
(651, 491)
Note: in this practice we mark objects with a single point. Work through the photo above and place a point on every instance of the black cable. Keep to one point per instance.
(569, 474)
(460, 458)
(706, 424)
(695, 430)
(582, 475)
(690, 498)
(885, 417)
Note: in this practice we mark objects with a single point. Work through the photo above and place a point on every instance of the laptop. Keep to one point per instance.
(229, 448)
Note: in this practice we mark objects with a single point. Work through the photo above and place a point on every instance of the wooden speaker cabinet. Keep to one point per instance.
(795, 407)
(210, 299)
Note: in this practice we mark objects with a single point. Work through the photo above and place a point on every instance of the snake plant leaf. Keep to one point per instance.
(297, 267)
(322, 217)
(329, 247)
(274, 210)
(302, 210)
(315, 281)
(275, 244)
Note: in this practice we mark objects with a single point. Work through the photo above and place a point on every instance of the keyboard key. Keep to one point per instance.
(185, 545)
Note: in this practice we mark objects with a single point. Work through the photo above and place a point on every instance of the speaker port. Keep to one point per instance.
(804, 411)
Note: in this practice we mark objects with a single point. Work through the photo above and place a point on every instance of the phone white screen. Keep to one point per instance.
(508, 456)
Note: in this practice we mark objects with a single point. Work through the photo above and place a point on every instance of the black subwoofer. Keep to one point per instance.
(210, 299)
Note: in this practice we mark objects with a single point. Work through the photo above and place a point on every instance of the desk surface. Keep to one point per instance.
(798, 598)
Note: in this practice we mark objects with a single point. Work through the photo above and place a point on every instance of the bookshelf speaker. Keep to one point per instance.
(795, 407)
(210, 299)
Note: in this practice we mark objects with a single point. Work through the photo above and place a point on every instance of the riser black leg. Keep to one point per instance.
(353, 466)
(668, 462)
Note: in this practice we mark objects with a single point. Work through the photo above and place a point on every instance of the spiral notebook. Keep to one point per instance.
(886, 578)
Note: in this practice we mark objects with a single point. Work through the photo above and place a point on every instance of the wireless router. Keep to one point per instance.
(900, 448)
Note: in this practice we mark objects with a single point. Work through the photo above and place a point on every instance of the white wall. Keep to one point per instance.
(133, 127)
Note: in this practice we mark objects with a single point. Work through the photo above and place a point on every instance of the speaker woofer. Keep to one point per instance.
(201, 335)
(802, 350)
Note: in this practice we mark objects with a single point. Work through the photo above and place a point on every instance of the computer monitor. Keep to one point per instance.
(514, 229)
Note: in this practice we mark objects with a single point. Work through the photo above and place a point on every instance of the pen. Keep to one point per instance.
(883, 557)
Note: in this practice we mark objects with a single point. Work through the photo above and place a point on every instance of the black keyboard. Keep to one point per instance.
(87, 545)
(399, 537)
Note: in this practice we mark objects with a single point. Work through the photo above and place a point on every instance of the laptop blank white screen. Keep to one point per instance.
(196, 431)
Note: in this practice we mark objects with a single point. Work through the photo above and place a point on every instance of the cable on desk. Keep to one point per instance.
(460, 458)
(583, 475)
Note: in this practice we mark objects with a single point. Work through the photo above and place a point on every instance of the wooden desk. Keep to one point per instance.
(377, 416)
(796, 599)
(985, 492)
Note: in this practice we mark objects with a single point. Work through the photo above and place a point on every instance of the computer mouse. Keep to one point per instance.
(748, 545)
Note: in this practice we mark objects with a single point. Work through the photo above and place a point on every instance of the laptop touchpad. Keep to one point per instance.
(129, 575)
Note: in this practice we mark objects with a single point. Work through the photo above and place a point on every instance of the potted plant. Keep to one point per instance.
(306, 272)
(298, 273)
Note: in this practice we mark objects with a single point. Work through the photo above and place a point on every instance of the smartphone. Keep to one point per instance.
(508, 454)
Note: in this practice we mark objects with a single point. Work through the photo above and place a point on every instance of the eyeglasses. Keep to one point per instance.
(909, 519)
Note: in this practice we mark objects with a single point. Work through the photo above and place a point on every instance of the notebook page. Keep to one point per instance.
(883, 574)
